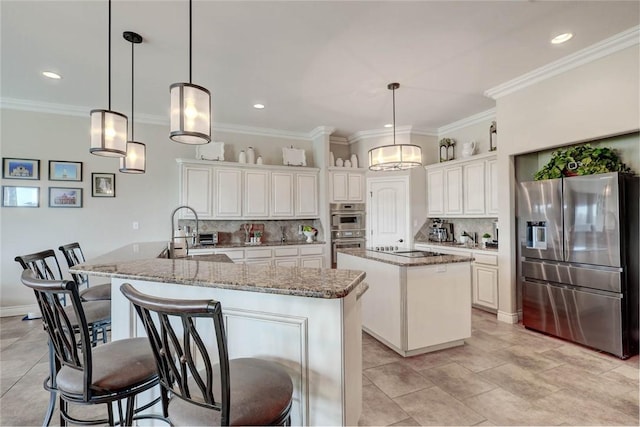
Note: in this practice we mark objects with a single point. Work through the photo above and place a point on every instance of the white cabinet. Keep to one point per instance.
(196, 190)
(435, 192)
(228, 193)
(485, 286)
(473, 188)
(491, 168)
(282, 194)
(306, 195)
(346, 186)
(463, 188)
(453, 190)
(225, 190)
(256, 193)
(312, 256)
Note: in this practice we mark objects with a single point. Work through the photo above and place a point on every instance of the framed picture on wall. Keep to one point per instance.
(20, 197)
(63, 197)
(65, 171)
(20, 168)
(103, 184)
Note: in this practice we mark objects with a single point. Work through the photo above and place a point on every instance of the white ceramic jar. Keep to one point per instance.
(251, 155)
(242, 157)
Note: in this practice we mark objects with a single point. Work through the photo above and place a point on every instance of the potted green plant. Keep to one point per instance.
(581, 160)
(486, 238)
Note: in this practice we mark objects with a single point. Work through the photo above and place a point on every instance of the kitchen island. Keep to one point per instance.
(306, 319)
(417, 301)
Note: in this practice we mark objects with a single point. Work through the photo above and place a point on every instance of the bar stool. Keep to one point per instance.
(112, 372)
(244, 391)
(74, 256)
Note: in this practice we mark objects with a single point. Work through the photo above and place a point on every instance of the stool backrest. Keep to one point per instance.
(74, 256)
(43, 264)
(66, 326)
(177, 346)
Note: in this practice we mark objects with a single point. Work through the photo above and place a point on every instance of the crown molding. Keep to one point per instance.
(76, 111)
(338, 140)
(599, 50)
(321, 131)
(468, 121)
(400, 130)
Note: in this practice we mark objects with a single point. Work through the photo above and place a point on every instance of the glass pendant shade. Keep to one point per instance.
(395, 157)
(136, 159)
(108, 133)
(190, 114)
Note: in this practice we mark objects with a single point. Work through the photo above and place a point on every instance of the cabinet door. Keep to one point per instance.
(286, 262)
(312, 262)
(474, 188)
(256, 194)
(491, 168)
(485, 287)
(228, 184)
(453, 192)
(195, 190)
(282, 194)
(435, 191)
(306, 195)
(339, 184)
(355, 187)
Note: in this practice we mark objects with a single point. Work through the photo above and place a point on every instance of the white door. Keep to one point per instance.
(453, 193)
(435, 191)
(388, 223)
(355, 187)
(195, 190)
(282, 194)
(257, 193)
(492, 187)
(339, 183)
(473, 188)
(306, 195)
(228, 185)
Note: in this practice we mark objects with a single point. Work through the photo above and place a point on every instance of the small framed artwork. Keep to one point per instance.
(103, 184)
(64, 197)
(20, 168)
(20, 197)
(65, 171)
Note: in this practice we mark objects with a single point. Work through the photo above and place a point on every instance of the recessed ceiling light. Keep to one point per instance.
(561, 38)
(258, 106)
(388, 125)
(51, 75)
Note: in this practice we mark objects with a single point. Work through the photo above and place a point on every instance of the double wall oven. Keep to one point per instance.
(347, 227)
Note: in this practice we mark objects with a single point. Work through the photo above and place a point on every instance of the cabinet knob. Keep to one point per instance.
(401, 240)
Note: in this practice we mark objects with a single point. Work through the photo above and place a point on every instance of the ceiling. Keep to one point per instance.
(321, 63)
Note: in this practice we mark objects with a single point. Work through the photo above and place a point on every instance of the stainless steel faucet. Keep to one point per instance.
(173, 229)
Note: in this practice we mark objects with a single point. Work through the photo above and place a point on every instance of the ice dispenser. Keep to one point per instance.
(536, 235)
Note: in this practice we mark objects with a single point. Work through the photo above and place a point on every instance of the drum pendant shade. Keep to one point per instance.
(396, 156)
(190, 114)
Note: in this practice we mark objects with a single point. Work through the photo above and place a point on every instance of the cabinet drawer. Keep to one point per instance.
(233, 254)
(487, 259)
(278, 252)
(258, 253)
(311, 250)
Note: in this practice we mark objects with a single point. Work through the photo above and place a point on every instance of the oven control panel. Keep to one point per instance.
(347, 234)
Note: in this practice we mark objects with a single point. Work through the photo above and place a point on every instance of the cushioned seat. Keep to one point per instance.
(73, 255)
(245, 391)
(260, 393)
(97, 293)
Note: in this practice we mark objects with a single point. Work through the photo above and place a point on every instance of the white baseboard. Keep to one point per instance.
(507, 317)
(19, 310)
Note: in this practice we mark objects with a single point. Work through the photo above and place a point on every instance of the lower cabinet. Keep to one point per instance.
(311, 256)
(485, 286)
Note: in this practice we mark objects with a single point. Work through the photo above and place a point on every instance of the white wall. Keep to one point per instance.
(269, 147)
(478, 132)
(596, 100)
(102, 224)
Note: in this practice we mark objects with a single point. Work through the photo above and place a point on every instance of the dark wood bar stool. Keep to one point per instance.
(112, 372)
(74, 256)
(243, 391)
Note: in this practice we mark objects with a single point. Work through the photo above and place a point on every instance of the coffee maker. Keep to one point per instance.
(440, 231)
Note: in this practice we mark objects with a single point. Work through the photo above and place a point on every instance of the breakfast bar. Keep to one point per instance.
(306, 319)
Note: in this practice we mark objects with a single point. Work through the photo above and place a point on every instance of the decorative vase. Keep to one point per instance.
(354, 161)
(242, 157)
(347, 163)
(468, 149)
(251, 155)
(332, 159)
(259, 160)
(339, 162)
(309, 235)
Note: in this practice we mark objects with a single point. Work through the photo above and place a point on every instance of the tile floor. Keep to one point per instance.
(504, 375)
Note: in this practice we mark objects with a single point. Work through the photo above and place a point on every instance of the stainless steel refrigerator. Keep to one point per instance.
(578, 250)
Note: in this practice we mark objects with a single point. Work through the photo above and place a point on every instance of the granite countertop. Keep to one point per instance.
(402, 261)
(461, 246)
(246, 245)
(138, 261)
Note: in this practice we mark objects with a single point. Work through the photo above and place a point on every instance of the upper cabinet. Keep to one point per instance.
(347, 185)
(463, 188)
(224, 190)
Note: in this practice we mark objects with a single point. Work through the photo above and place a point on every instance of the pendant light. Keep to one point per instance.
(108, 128)
(396, 156)
(135, 160)
(190, 107)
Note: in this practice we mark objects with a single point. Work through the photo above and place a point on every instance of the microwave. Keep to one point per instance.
(347, 221)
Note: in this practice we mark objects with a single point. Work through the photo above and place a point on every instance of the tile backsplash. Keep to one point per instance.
(470, 225)
(232, 232)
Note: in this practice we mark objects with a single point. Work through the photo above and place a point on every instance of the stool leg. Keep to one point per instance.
(52, 390)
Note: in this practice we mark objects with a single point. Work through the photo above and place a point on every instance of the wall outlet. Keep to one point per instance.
(300, 229)
(135, 225)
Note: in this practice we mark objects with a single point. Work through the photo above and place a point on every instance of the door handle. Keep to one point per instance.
(401, 240)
